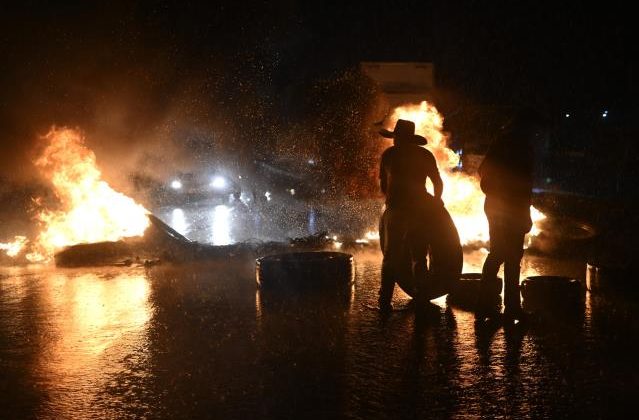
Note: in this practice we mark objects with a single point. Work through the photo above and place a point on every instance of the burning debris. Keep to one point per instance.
(462, 195)
(88, 211)
(162, 243)
(96, 225)
(92, 224)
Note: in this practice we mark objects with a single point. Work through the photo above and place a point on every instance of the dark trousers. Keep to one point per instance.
(404, 242)
(506, 247)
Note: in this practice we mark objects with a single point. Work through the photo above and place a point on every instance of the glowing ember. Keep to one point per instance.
(90, 210)
(462, 194)
(14, 247)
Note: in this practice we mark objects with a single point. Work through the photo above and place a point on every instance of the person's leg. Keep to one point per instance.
(392, 242)
(496, 255)
(419, 236)
(488, 300)
(512, 267)
(418, 247)
(387, 287)
(387, 281)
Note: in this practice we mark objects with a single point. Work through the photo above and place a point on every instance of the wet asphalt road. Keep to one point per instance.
(200, 341)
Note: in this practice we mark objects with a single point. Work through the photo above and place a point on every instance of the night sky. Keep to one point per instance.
(125, 71)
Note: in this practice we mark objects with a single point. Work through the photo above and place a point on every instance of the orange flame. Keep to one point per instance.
(14, 247)
(462, 195)
(90, 210)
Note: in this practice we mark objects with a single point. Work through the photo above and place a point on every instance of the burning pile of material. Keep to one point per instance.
(462, 195)
(89, 210)
(95, 225)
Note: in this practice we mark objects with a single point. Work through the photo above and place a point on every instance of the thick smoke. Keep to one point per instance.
(157, 90)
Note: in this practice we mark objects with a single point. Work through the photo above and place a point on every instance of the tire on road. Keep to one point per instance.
(551, 291)
(446, 257)
(611, 278)
(563, 236)
(466, 291)
(301, 271)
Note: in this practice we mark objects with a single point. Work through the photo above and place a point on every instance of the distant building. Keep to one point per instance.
(402, 82)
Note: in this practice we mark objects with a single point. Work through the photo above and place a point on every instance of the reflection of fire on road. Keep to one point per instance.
(462, 194)
(99, 327)
(88, 210)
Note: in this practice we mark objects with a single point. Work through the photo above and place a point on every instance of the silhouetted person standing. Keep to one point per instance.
(404, 168)
(506, 179)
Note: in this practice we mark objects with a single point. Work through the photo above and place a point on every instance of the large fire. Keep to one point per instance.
(89, 209)
(462, 195)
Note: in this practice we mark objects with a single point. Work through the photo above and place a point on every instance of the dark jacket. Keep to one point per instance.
(507, 178)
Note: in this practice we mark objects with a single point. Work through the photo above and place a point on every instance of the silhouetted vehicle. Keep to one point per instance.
(193, 186)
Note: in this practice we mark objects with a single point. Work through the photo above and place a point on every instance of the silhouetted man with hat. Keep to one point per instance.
(404, 168)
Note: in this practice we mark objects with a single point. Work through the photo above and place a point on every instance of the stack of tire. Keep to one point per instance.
(305, 272)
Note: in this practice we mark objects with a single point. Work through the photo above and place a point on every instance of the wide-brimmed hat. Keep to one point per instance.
(404, 130)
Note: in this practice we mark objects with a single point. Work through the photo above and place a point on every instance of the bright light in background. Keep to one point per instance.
(218, 182)
(567, 115)
(176, 184)
(178, 221)
(267, 195)
(245, 198)
(221, 225)
(604, 114)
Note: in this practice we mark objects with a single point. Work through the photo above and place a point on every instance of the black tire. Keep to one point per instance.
(611, 278)
(551, 291)
(564, 236)
(466, 291)
(300, 271)
(446, 257)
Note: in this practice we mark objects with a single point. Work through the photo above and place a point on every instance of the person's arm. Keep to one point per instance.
(433, 173)
(438, 184)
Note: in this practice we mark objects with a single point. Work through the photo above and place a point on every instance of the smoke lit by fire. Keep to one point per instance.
(462, 195)
(89, 209)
